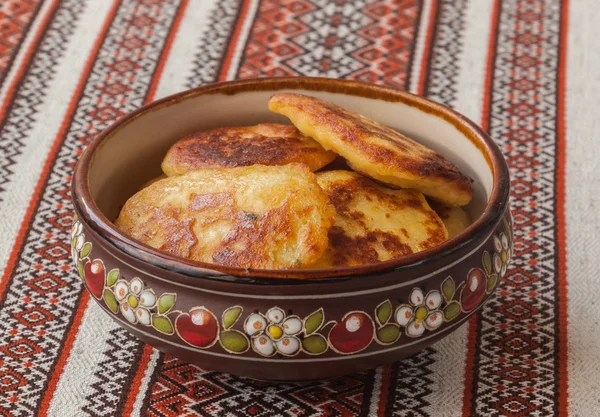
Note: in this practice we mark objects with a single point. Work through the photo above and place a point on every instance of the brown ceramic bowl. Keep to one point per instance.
(286, 325)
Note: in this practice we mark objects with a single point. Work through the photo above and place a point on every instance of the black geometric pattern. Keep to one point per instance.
(212, 43)
(115, 371)
(411, 384)
(446, 52)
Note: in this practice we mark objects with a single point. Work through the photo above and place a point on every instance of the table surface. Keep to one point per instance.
(526, 70)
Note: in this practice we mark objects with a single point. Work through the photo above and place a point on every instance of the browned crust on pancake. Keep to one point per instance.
(265, 217)
(364, 237)
(265, 144)
(391, 156)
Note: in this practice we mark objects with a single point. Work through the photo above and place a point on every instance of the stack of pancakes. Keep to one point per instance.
(336, 189)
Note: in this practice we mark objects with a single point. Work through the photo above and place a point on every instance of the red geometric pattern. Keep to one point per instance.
(368, 41)
(62, 221)
(10, 381)
(518, 310)
(184, 389)
(15, 18)
(515, 359)
(515, 406)
(55, 251)
(20, 349)
(46, 283)
(33, 317)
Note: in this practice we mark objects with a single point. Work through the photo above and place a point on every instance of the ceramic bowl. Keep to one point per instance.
(286, 325)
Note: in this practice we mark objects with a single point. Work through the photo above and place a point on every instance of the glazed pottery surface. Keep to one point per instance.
(286, 325)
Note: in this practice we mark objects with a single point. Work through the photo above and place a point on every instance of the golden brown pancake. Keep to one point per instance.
(374, 149)
(265, 144)
(456, 219)
(375, 223)
(267, 217)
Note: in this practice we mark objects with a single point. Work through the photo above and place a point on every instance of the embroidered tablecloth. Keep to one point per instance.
(526, 70)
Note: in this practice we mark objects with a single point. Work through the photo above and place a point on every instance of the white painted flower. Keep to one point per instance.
(274, 332)
(121, 290)
(135, 302)
(502, 255)
(136, 285)
(255, 324)
(147, 299)
(77, 241)
(143, 316)
(263, 345)
(128, 313)
(421, 313)
(288, 345)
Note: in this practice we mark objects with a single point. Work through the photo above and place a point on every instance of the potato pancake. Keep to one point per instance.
(456, 219)
(265, 217)
(265, 144)
(375, 150)
(375, 223)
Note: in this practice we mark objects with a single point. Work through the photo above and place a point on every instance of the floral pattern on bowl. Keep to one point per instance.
(287, 335)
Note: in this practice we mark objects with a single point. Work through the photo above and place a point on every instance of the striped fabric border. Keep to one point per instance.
(516, 363)
(503, 63)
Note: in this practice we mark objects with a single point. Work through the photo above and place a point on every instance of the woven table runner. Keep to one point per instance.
(526, 70)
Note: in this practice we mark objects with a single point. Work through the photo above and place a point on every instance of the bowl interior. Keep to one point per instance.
(129, 153)
(132, 154)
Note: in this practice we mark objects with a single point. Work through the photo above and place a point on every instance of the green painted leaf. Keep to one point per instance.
(162, 324)
(112, 277)
(491, 283)
(231, 316)
(110, 300)
(166, 302)
(86, 249)
(234, 341)
(80, 270)
(314, 321)
(448, 289)
(384, 312)
(388, 333)
(315, 344)
(452, 310)
(487, 262)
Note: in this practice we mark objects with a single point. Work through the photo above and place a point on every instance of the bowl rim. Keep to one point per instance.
(494, 210)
